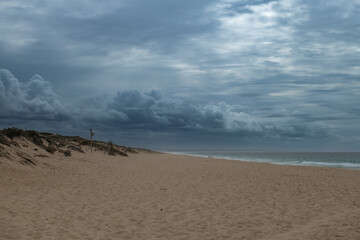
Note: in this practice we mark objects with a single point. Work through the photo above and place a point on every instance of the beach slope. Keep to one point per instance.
(162, 196)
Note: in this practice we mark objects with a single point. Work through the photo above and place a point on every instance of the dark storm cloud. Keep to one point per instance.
(134, 109)
(80, 40)
(34, 99)
(149, 111)
(284, 69)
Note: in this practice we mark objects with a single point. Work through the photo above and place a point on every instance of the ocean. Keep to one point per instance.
(324, 159)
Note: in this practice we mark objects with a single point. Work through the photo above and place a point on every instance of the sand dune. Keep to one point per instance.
(163, 196)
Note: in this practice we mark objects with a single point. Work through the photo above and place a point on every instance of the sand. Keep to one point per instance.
(164, 196)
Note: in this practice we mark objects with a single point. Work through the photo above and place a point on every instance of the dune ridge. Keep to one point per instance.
(29, 147)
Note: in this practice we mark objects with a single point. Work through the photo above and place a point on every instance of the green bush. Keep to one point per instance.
(50, 149)
(67, 153)
(34, 137)
(12, 132)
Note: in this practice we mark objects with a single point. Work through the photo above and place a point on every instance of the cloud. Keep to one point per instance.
(135, 113)
(153, 112)
(225, 67)
(34, 99)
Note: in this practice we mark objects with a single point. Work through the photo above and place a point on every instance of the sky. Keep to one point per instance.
(281, 75)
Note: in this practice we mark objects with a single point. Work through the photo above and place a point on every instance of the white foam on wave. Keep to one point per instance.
(327, 164)
(264, 160)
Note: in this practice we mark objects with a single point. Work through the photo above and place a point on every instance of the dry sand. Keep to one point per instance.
(163, 196)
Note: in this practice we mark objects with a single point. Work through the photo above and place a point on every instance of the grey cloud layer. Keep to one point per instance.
(274, 68)
(36, 100)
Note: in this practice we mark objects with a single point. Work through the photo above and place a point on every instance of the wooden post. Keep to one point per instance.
(91, 135)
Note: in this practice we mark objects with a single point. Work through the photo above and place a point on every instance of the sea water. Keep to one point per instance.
(325, 159)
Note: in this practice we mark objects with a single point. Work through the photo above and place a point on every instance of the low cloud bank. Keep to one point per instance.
(135, 110)
(34, 99)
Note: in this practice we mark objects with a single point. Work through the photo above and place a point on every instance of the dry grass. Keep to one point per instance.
(64, 144)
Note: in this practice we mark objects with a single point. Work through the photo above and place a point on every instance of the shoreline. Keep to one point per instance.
(351, 166)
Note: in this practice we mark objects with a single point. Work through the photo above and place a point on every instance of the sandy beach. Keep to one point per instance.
(255, 105)
(164, 196)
